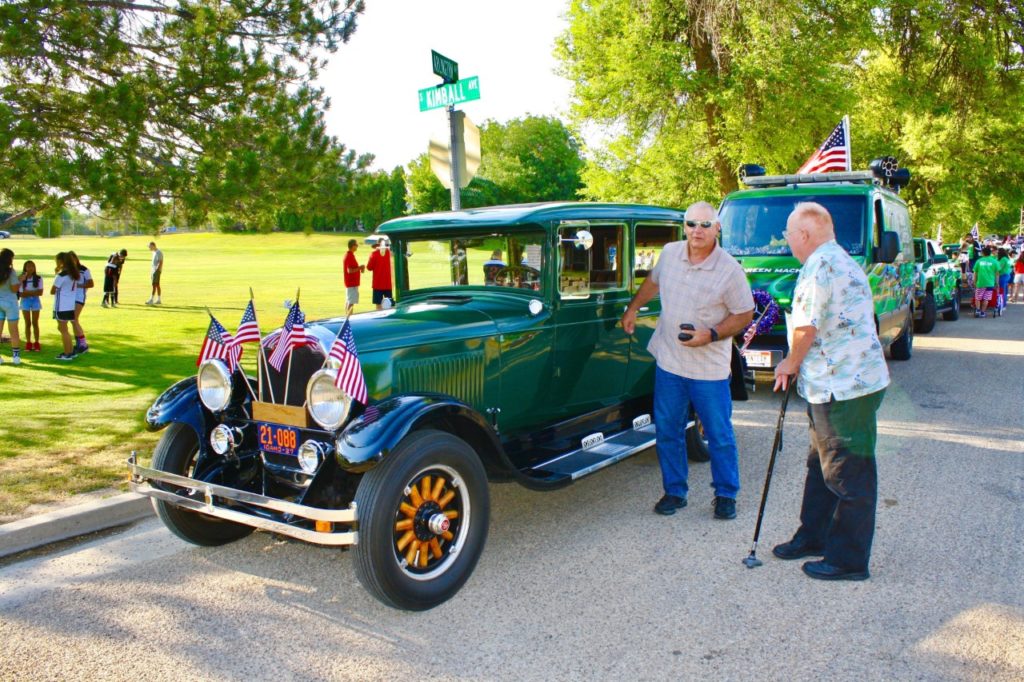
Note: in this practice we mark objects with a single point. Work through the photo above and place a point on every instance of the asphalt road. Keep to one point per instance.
(587, 583)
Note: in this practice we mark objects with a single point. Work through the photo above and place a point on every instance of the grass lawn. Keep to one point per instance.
(68, 427)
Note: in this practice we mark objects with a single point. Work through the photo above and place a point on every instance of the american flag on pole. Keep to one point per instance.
(292, 336)
(975, 234)
(350, 374)
(248, 328)
(833, 154)
(220, 345)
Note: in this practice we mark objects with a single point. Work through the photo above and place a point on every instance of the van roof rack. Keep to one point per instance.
(806, 178)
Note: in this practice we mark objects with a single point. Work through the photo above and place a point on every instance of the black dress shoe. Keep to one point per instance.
(725, 508)
(797, 549)
(668, 504)
(823, 570)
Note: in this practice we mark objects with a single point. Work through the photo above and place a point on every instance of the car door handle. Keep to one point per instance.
(644, 309)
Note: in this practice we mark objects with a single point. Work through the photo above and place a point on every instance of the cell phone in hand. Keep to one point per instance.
(684, 335)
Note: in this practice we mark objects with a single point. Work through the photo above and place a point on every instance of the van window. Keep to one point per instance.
(753, 226)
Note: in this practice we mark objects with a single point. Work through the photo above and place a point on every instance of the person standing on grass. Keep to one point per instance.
(111, 275)
(839, 367)
(380, 265)
(9, 287)
(352, 270)
(63, 291)
(31, 303)
(85, 282)
(986, 273)
(157, 270)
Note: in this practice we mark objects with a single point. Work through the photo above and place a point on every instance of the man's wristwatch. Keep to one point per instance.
(714, 335)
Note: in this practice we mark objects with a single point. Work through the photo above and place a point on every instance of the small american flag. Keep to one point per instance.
(833, 155)
(974, 233)
(220, 345)
(350, 375)
(248, 328)
(292, 336)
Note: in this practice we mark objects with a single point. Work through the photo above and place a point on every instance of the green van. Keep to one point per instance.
(871, 222)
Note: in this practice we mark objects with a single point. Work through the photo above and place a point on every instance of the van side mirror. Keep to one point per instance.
(888, 248)
(940, 258)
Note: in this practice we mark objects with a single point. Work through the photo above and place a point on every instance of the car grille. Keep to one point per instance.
(304, 361)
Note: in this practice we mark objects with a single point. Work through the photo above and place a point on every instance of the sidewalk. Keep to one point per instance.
(69, 522)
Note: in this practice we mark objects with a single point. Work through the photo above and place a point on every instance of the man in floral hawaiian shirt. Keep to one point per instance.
(835, 353)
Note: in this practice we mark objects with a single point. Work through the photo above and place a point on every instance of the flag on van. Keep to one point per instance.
(833, 154)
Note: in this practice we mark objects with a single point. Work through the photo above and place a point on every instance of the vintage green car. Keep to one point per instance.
(501, 359)
(937, 286)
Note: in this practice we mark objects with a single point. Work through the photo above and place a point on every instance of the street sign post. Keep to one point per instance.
(450, 94)
(446, 68)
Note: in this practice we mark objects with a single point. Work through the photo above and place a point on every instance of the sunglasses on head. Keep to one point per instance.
(700, 223)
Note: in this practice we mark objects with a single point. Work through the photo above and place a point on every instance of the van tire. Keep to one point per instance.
(927, 322)
(953, 314)
(903, 347)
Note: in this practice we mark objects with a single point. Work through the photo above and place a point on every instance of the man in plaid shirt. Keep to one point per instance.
(700, 285)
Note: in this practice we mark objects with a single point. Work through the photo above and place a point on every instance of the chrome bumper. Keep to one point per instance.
(202, 497)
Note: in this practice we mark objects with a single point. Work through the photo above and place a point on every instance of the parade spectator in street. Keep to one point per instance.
(9, 287)
(85, 282)
(701, 285)
(112, 276)
(31, 303)
(63, 290)
(155, 272)
(379, 264)
(352, 270)
(840, 370)
(986, 273)
(1005, 277)
(1018, 277)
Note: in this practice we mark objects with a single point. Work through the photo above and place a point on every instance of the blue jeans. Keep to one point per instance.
(673, 395)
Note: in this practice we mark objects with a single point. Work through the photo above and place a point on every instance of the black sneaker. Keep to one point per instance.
(66, 357)
(797, 549)
(668, 504)
(725, 508)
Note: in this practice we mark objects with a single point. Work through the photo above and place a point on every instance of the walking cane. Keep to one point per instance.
(752, 560)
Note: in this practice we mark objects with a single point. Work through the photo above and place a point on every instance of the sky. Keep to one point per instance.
(373, 80)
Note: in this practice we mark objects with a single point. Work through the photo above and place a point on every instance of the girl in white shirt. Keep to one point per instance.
(84, 282)
(64, 287)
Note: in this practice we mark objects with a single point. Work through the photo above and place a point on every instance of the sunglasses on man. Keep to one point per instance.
(706, 224)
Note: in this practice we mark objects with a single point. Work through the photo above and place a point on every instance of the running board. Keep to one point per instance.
(597, 452)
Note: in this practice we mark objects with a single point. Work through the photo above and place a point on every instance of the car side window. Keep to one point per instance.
(599, 268)
(648, 242)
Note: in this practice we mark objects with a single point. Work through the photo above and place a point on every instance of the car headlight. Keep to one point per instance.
(328, 405)
(311, 454)
(214, 385)
(223, 438)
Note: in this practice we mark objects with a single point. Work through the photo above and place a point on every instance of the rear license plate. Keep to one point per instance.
(758, 358)
(281, 440)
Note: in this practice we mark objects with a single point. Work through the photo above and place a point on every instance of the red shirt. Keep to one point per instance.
(1018, 267)
(351, 278)
(380, 265)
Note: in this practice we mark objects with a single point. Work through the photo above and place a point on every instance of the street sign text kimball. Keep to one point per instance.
(446, 68)
(445, 95)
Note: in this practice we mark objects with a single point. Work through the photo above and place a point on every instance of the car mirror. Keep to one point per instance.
(583, 240)
(940, 258)
(888, 247)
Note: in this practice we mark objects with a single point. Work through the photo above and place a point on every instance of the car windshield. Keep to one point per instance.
(753, 226)
(512, 260)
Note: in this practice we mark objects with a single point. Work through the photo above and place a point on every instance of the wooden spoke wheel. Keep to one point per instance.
(431, 522)
(423, 515)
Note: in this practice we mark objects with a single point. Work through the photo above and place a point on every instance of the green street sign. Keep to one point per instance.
(446, 68)
(465, 90)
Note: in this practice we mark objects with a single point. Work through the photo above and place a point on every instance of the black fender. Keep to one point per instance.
(179, 403)
(737, 379)
(371, 436)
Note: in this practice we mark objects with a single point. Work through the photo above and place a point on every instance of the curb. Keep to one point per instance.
(62, 524)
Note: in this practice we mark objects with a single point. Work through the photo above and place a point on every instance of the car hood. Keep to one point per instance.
(432, 319)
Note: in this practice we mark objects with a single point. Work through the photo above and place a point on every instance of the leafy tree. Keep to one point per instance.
(131, 105)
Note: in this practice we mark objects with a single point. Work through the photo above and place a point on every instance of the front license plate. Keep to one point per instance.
(758, 358)
(281, 440)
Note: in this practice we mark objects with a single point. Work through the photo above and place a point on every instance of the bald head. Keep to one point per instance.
(808, 227)
(701, 210)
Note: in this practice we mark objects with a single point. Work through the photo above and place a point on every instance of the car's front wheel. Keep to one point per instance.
(176, 454)
(423, 516)
(953, 314)
(927, 322)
